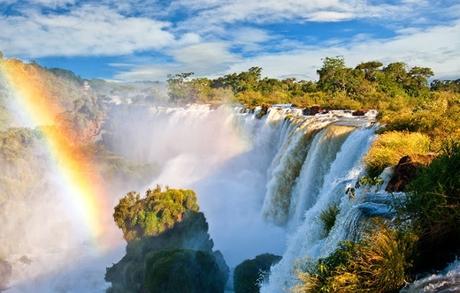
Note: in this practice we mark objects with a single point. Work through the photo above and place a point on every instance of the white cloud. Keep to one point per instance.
(87, 30)
(232, 11)
(204, 59)
(437, 47)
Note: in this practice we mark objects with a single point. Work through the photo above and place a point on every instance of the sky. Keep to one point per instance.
(147, 40)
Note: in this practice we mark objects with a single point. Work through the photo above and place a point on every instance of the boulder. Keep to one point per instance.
(359, 112)
(406, 170)
(313, 110)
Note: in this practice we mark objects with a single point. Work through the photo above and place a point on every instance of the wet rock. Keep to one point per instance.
(313, 110)
(406, 170)
(262, 112)
(359, 112)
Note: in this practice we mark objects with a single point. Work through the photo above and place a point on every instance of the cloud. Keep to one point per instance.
(270, 11)
(87, 30)
(436, 47)
(204, 59)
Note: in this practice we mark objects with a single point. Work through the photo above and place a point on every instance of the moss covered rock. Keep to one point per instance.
(251, 272)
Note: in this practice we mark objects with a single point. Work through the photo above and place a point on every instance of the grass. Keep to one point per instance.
(328, 217)
(391, 146)
(378, 263)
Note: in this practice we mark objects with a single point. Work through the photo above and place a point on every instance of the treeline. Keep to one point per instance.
(368, 85)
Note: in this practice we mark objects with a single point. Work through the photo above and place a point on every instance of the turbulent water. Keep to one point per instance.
(447, 281)
(262, 183)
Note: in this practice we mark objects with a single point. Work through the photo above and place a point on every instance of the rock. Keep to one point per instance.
(406, 170)
(359, 112)
(188, 236)
(6, 271)
(248, 274)
(262, 112)
(183, 270)
(313, 110)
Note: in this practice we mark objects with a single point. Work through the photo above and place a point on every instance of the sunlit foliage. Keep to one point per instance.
(389, 147)
(157, 211)
(378, 263)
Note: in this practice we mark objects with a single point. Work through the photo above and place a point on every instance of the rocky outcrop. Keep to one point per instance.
(249, 273)
(360, 112)
(406, 170)
(313, 110)
(186, 238)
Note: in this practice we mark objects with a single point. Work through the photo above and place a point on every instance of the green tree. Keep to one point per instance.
(369, 69)
(332, 75)
(157, 211)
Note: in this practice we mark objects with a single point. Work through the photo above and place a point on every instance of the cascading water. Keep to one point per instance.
(309, 239)
(249, 173)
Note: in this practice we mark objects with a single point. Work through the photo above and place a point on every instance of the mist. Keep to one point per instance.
(221, 154)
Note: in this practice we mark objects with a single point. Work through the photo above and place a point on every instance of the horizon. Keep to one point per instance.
(135, 41)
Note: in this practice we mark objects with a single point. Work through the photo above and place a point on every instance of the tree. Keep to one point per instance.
(332, 76)
(179, 87)
(369, 69)
(156, 212)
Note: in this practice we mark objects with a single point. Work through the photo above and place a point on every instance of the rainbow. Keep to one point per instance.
(83, 183)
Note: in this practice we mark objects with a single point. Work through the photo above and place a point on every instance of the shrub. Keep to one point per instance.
(250, 273)
(432, 207)
(158, 211)
(389, 147)
(328, 217)
(378, 263)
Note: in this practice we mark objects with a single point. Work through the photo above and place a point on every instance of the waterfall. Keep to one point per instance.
(309, 239)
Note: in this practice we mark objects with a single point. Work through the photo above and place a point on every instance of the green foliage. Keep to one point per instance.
(181, 270)
(378, 263)
(446, 85)
(389, 147)
(432, 207)
(248, 274)
(328, 217)
(370, 181)
(156, 212)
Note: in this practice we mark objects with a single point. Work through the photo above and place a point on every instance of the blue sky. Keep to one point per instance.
(146, 40)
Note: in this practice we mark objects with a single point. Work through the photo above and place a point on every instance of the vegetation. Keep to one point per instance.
(157, 211)
(377, 263)
(250, 273)
(182, 270)
(328, 217)
(432, 208)
(169, 247)
(390, 146)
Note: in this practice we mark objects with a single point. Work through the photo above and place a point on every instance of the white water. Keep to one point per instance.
(261, 183)
(309, 239)
(447, 281)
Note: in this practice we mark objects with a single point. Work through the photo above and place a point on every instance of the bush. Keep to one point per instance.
(432, 207)
(155, 213)
(181, 270)
(378, 263)
(389, 147)
(250, 273)
(328, 217)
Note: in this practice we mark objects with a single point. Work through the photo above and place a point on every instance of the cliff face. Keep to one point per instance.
(187, 244)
